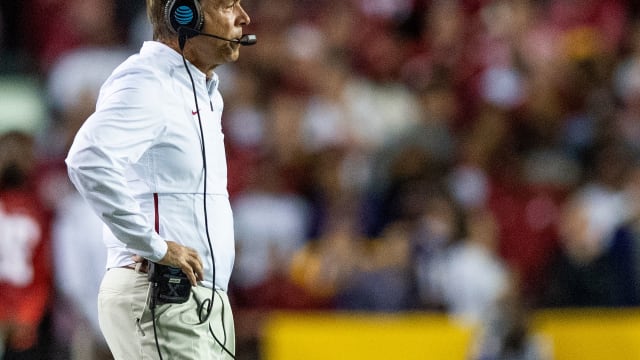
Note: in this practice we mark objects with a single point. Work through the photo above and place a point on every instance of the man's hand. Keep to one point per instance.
(184, 258)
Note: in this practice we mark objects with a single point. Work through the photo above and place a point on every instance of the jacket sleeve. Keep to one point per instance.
(125, 125)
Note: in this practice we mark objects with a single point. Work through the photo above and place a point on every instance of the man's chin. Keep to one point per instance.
(235, 53)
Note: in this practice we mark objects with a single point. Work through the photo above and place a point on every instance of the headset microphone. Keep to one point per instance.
(185, 33)
(248, 40)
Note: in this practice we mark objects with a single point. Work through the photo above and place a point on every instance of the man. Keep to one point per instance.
(25, 259)
(150, 161)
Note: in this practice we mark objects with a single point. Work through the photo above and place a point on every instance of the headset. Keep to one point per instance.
(185, 18)
(183, 14)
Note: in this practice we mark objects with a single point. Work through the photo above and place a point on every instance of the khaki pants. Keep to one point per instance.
(126, 321)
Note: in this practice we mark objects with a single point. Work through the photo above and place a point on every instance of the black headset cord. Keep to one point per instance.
(205, 308)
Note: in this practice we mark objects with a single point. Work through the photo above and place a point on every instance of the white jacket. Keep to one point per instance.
(138, 162)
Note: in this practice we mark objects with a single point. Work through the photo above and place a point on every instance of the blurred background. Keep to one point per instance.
(410, 179)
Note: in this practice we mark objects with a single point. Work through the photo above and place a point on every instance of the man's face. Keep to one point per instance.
(16, 159)
(224, 18)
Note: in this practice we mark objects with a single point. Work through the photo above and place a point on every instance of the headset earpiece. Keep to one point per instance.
(183, 14)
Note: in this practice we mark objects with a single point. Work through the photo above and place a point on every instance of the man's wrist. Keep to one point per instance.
(159, 246)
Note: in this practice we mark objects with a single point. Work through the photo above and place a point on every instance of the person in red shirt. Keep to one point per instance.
(25, 266)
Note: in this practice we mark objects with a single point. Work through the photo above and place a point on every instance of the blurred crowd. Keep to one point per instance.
(479, 158)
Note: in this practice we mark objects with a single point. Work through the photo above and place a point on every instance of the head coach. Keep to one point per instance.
(150, 161)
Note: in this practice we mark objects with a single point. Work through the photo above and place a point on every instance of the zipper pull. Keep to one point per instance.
(139, 327)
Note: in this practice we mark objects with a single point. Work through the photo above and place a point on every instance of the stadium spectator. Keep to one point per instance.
(25, 253)
(594, 266)
(475, 277)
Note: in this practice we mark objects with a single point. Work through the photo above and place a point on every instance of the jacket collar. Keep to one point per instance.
(173, 58)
